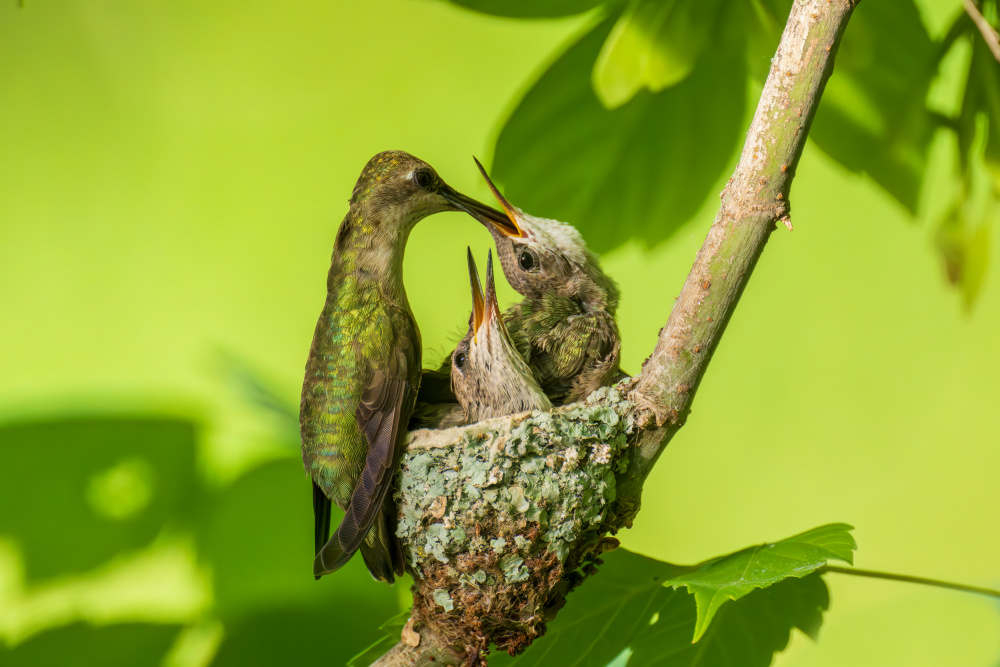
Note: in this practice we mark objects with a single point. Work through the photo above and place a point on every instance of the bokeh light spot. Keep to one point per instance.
(122, 491)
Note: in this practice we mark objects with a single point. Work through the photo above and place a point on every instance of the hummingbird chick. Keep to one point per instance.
(363, 370)
(488, 375)
(565, 326)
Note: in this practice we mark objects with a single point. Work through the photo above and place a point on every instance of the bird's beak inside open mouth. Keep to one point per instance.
(487, 215)
(509, 226)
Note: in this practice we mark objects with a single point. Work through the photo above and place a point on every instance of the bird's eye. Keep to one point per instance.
(460, 360)
(423, 178)
(527, 261)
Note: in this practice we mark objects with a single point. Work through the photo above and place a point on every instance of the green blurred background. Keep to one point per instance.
(173, 175)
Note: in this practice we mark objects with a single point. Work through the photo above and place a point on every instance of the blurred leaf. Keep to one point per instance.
(530, 8)
(326, 634)
(964, 245)
(962, 236)
(873, 117)
(127, 645)
(610, 611)
(626, 610)
(654, 44)
(745, 634)
(258, 539)
(639, 171)
(763, 34)
(391, 631)
(79, 491)
(982, 97)
(734, 576)
(251, 385)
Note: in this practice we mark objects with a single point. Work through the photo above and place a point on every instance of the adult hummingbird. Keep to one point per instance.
(488, 375)
(565, 326)
(363, 370)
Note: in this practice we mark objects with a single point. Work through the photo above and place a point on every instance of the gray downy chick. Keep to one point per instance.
(565, 326)
(488, 375)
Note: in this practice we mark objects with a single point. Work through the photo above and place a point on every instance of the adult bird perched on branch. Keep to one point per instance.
(363, 370)
(488, 375)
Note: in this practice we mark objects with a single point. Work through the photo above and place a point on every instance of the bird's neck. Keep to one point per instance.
(501, 383)
(371, 250)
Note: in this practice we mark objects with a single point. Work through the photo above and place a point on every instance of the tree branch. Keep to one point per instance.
(988, 32)
(419, 649)
(503, 518)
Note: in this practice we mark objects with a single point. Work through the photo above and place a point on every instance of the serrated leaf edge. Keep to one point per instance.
(703, 621)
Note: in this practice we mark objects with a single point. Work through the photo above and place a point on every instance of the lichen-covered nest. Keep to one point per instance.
(500, 516)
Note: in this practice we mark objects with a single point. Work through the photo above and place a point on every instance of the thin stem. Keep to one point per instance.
(988, 32)
(913, 580)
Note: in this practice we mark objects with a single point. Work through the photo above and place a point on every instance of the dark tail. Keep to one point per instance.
(330, 558)
(321, 514)
(381, 550)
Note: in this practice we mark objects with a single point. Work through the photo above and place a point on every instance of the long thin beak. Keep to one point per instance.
(491, 307)
(510, 226)
(487, 215)
(478, 304)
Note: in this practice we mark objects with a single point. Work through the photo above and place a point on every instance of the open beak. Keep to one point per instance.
(478, 304)
(509, 226)
(491, 307)
(487, 215)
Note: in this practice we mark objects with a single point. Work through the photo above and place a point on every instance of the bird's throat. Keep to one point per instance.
(370, 246)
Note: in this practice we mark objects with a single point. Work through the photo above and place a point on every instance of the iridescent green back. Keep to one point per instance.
(359, 332)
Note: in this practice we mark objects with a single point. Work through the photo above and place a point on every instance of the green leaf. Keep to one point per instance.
(261, 393)
(654, 44)
(328, 633)
(625, 610)
(962, 236)
(120, 645)
(263, 522)
(88, 489)
(530, 8)
(982, 98)
(734, 576)
(745, 634)
(391, 631)
(873, 118)
(639, 171)
(764, 27)
(964, 245)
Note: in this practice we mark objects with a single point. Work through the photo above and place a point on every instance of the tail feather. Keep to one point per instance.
(382, 431)
(331, 557)
(381, 549)
(321, 514)
(394, 545)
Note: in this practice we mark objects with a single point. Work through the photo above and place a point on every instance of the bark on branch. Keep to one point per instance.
(503, 518)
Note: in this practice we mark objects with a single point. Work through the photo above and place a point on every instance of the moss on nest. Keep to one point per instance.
(490, 517)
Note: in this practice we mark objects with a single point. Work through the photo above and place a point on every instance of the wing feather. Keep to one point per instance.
(386, 403)
(384, 409)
